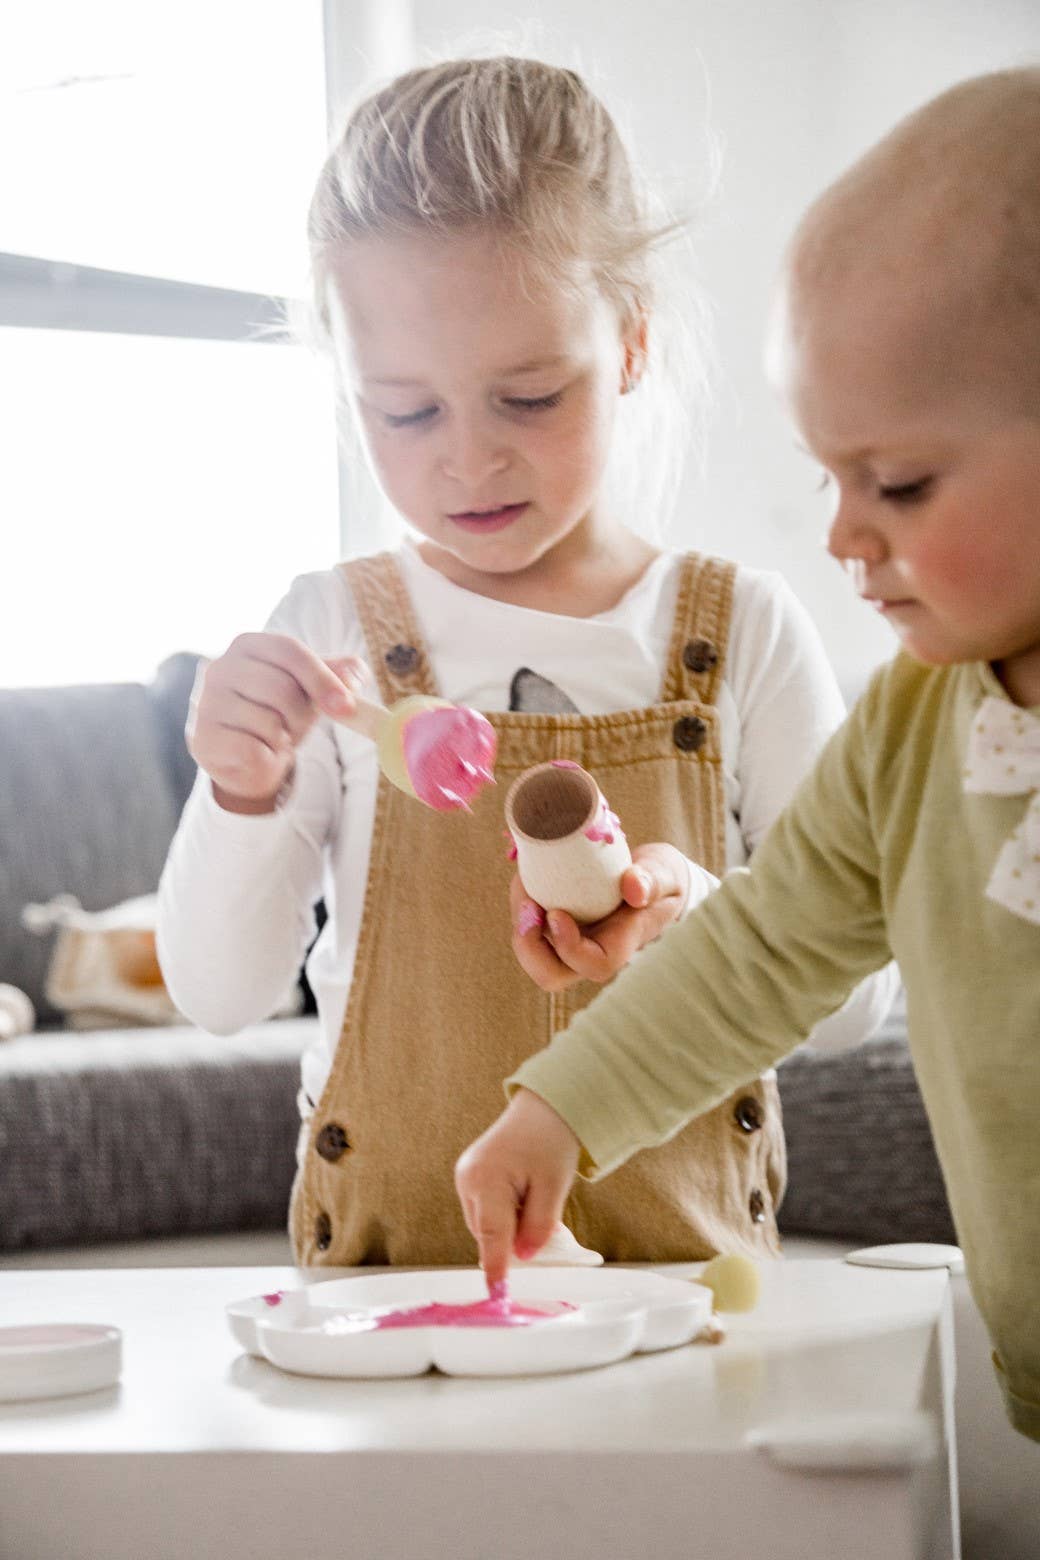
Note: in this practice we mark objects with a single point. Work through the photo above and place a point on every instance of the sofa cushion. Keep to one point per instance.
(123, 1135)
(169, 693)
(139, 1132)
(861, 1161)
(93, 782)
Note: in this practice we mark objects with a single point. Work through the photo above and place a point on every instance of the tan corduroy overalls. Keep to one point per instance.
(439, 1011)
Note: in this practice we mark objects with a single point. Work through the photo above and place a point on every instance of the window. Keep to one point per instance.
(165, 472)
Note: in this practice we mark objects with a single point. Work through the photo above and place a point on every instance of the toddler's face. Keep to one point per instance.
(936, 470)
(486, 399)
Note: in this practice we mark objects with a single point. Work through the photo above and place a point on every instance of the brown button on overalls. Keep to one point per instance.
(439, 1012)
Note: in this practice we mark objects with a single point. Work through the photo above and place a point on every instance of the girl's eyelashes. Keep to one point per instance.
(409, 419)
(905, 492)
(899, 493)
(537, 403)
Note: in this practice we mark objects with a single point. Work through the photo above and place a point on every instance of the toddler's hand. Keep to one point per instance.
(556, 952)
(513, 1182)
(253, 706)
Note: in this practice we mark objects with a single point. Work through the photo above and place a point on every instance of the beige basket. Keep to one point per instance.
(570, 850)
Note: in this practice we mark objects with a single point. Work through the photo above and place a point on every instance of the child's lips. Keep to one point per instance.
(490, 519)
(885, 604)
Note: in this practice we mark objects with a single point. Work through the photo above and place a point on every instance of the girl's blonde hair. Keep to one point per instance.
(528, 150)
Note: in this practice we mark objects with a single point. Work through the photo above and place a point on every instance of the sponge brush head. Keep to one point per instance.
(734, 1280)
(439, 752)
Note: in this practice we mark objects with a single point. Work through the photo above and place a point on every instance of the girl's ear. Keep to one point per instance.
(634, 340)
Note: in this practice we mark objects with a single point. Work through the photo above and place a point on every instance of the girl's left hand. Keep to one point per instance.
(556, 952)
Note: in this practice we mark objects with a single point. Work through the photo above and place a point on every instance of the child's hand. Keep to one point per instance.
(513, 1182)
(556, 952)
(254, 705)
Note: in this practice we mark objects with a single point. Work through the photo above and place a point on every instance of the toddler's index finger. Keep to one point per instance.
(495, 1230)
(489, 1204)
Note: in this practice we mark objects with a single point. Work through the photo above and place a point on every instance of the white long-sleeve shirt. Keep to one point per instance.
(237, 894)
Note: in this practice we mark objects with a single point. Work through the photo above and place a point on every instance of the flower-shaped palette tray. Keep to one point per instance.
(326, 1329)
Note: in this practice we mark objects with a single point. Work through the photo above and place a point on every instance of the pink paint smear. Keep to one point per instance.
(497, 1310)
(476, 1313)
(531, 915)
(449, 753)
(606, 826)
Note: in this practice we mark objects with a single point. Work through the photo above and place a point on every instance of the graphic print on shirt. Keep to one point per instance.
(532, 694)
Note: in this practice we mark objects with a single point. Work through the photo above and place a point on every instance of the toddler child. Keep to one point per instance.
(483, 266)
(908, 345)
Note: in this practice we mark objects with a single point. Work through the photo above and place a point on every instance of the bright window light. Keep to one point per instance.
(157, 495)
(178, 140)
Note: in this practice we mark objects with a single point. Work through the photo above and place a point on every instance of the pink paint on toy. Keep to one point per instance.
(531, 915)
(606, 826)
(273, 1299)
(449, 753)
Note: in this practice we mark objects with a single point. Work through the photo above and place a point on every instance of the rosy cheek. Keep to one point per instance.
(955, 563)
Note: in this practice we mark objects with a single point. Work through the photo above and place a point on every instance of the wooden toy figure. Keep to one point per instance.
(571, 852)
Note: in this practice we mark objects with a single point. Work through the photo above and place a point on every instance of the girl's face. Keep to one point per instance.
(937, 478)
(486, 398)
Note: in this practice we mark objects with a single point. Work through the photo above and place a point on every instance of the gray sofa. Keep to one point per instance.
(124, 1134)
(127, 1133)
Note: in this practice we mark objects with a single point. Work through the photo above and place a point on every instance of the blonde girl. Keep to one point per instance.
(484, 272)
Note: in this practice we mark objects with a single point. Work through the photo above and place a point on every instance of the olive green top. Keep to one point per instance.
(880, 853)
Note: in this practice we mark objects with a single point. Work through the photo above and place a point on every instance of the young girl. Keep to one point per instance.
(910, 355)
(483, 270)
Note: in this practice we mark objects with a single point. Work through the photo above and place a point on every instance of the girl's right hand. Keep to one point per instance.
(557, 953)
(253, 706)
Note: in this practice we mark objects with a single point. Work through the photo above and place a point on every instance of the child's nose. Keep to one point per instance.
(852, 537)
(472, 456)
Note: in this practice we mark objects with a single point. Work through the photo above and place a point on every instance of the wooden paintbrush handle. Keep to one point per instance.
(367, 718)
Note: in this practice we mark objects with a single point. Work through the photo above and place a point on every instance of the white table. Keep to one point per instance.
(203, 1452)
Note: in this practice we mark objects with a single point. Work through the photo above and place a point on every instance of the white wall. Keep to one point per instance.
(794, 89)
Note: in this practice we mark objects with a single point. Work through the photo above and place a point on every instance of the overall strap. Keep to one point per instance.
(700, 632)
(397, 655)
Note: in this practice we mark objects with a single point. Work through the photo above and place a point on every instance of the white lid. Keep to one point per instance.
(57, 1359)
(910, 1254)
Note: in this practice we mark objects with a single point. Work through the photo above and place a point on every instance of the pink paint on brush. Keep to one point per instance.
(449, 753)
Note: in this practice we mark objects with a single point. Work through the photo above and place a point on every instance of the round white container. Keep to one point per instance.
(570, 851)
(58, 1359)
